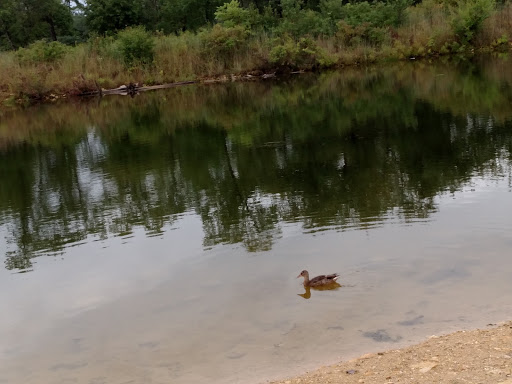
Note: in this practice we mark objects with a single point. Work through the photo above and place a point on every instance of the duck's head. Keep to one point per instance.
(304, 274)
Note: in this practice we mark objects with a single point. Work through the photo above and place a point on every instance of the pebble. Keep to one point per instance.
(424, 366)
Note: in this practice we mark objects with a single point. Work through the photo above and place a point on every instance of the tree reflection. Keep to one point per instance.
(343, 150)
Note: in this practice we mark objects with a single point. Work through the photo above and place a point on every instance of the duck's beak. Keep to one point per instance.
(299, 276)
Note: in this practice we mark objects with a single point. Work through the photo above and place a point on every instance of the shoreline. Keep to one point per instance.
(278, 38)
(10, 101)
(464, 356)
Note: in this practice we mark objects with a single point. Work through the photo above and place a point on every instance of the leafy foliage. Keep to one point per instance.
(303, 53)
(368, 21)
(136, 45)
(225, 41)
(468, 17)
(349, 35)
(23, 22)
(298, 21)
(113, 15)
(232, 14)
(376, 13)
(42, 51)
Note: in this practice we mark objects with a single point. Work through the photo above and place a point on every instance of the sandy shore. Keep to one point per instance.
(478, 356)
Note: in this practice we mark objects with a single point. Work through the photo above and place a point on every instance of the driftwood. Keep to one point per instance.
(132, 89)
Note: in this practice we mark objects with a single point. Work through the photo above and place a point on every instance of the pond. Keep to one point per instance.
(157, 239)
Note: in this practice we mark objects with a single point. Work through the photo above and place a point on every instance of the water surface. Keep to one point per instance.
(157, 239)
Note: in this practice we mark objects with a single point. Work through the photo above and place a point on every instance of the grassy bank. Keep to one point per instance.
(246, 41)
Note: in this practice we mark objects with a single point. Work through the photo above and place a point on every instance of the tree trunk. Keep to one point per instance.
(51, 23)
(9, 38)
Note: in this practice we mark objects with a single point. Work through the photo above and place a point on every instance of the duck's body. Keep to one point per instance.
(318, 280)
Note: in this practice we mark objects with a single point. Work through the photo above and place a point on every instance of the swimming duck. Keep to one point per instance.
(319, 280)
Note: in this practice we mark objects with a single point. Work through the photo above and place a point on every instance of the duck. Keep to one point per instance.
(318, 280)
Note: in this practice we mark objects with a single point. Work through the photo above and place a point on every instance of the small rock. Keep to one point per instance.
(351, 372)
(424, 366)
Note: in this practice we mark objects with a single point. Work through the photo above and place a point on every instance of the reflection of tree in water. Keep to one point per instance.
(323, 158)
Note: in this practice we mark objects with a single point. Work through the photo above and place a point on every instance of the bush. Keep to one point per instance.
(378, 14)
(232, 14)
(103, 46)
(136, 46)
(349, 35)
(224, 42)
(269, 18)
(42, 51)
(468, 17)
(304, 53)
(301, 22)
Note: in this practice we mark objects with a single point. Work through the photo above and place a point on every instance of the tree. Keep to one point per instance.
(25, 21)
(9, 25)
(104, 16)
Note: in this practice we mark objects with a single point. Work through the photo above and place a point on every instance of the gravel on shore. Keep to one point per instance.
(477, 356)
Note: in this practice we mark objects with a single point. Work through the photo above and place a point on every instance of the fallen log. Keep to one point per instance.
(133, 89)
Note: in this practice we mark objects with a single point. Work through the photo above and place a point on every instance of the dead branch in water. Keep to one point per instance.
(133, 89)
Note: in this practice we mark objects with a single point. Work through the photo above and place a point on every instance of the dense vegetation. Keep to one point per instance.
(70, 46)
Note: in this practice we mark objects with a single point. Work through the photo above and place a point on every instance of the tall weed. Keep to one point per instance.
(496, 31)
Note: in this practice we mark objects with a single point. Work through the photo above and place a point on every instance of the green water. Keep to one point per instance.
(152, 226)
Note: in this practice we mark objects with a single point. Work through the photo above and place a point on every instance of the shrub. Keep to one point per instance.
(349, 35)
(305, 22)
(232, 14)
(301, 22)
(136, 46)
(103, 46)
(303, 53)
(223, 41)
(378, 13)
(42, 51)
(468, 17)
(496, 29)
(269, 18)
